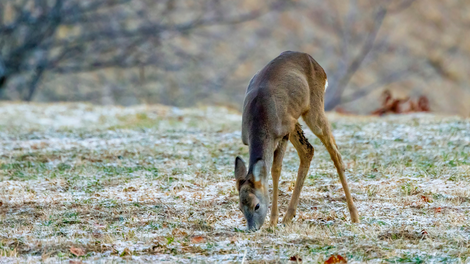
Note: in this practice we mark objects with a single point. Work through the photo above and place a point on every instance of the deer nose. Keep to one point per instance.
(252, 227)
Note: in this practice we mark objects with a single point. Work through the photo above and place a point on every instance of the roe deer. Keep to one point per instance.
(290, 86)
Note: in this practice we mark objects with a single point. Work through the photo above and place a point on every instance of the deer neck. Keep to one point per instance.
(262, 148)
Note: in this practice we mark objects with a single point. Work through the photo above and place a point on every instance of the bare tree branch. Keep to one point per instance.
(386, 80)
(108, 33)
(335, 99)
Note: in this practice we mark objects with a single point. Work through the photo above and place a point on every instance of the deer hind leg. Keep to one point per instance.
(321, 128)
(276, 173)
(305, 152)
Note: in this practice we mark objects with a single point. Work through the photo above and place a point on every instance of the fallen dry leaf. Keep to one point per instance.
(77, 251)
(336, 259)
(198, 239)
(425, 199)
(424, 233)
(295, 258)
(391, 105)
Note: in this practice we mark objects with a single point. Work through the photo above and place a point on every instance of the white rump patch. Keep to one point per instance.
(326, 84)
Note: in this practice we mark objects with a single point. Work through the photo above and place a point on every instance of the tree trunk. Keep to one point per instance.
(3, 82)
(34, 83)
(332, 103)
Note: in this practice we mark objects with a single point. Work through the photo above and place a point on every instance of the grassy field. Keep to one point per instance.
(153, 183)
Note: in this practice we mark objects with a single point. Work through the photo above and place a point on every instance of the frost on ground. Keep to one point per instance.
(155, 183)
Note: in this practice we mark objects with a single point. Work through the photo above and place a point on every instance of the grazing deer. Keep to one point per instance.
(290, 86)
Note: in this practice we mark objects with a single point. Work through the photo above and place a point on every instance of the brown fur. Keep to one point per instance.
(290, 86)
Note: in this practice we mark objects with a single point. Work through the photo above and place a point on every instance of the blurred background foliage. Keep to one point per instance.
(190, 52)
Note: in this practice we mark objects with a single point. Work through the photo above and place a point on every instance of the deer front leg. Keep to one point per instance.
(276, 173)
(305, 152)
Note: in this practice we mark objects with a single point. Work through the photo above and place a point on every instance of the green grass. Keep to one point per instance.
(151, 183)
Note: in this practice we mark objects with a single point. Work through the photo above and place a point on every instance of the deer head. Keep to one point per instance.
(253, 194)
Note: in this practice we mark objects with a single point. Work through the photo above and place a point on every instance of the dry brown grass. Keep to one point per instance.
(154, 183)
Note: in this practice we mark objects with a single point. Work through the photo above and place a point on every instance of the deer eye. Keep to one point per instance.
(257, 207)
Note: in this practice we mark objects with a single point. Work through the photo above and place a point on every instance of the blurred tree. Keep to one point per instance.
(356, 42)
(58, 36)
(189, 52)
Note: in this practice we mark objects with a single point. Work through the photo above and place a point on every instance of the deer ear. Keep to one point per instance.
(258, 170)
(240, 171)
